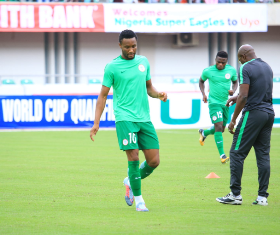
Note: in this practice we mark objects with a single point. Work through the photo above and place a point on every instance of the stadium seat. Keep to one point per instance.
(94, 81)
(178, 80)
(26, 81)
(194, 80)
(276, 79)
(8, 82)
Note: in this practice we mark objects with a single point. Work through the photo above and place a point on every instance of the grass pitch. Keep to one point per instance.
(60, 182)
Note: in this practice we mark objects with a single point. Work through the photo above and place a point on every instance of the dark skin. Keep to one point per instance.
(245, 54)
(220, 64)
(129, 47)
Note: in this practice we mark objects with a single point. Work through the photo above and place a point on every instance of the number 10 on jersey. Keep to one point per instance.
(132, 138)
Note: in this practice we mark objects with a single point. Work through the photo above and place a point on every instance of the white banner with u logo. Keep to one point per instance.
(186, 110)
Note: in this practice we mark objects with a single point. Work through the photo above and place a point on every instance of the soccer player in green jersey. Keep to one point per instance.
(129, 75)
(220, 77)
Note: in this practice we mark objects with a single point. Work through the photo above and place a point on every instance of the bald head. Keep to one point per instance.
(246, 53)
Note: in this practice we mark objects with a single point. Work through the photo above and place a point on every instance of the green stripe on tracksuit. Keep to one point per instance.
(241, 130)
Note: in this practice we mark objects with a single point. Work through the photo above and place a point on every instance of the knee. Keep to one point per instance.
(219, 127)
(155, 162)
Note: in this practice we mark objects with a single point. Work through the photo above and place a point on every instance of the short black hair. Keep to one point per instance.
(127, 34)
(222, 54)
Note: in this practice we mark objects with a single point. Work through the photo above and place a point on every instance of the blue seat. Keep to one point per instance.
(178, 80)
(8, 82)
(94, 81)
(194, 80)
(26, 81)
(276, 79)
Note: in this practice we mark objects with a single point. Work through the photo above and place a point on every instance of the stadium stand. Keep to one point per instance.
(94, 81)
(194, 80)
(148, 1)
(276, 79)
(8, 82)
(26, 81)
(178, 80)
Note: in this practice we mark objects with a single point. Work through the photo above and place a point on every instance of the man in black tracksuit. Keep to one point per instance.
(254, 127)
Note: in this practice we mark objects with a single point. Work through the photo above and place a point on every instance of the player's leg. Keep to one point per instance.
(128, 142)
(135, 178)
(262, 149)
(241, 145)
(152, 161)
(218, 136)
(245, 136)
(148, 142)
(219, 139)
(209, 131)
(216, 115)
(204, 133)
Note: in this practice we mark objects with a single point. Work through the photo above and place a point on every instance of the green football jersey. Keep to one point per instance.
(219, 82)
(128, 78)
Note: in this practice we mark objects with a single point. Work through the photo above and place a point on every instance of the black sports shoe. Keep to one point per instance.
(202, 137)
(230, 199)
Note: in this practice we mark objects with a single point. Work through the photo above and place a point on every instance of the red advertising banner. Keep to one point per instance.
(70, 17)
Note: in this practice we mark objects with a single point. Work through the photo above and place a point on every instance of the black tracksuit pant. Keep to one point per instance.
(254, 129)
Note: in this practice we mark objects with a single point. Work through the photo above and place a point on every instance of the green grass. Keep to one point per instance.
(60, 182)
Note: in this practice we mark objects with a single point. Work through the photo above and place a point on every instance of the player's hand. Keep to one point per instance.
(231, 127)
(93, 131)
(230, 92)
(162, 96)
(204, 99)
(231, 101)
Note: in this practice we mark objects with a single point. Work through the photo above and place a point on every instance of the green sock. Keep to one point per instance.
(210, 131)
(145, 170)
(134, 177)
(219, 142)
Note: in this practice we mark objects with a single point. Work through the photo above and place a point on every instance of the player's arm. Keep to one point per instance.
(100, 105)
(234, 88)
(202, 89)
(152, 92)
(241, 99)
(240, 103)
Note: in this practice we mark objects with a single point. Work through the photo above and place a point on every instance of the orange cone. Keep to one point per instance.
(212, 175)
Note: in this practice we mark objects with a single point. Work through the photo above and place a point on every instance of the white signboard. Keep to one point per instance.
(169, 18)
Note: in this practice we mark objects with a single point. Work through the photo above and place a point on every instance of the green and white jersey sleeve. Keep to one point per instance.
(219, 82)
(128, 79)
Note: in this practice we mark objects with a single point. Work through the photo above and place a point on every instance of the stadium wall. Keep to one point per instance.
(24, 54)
